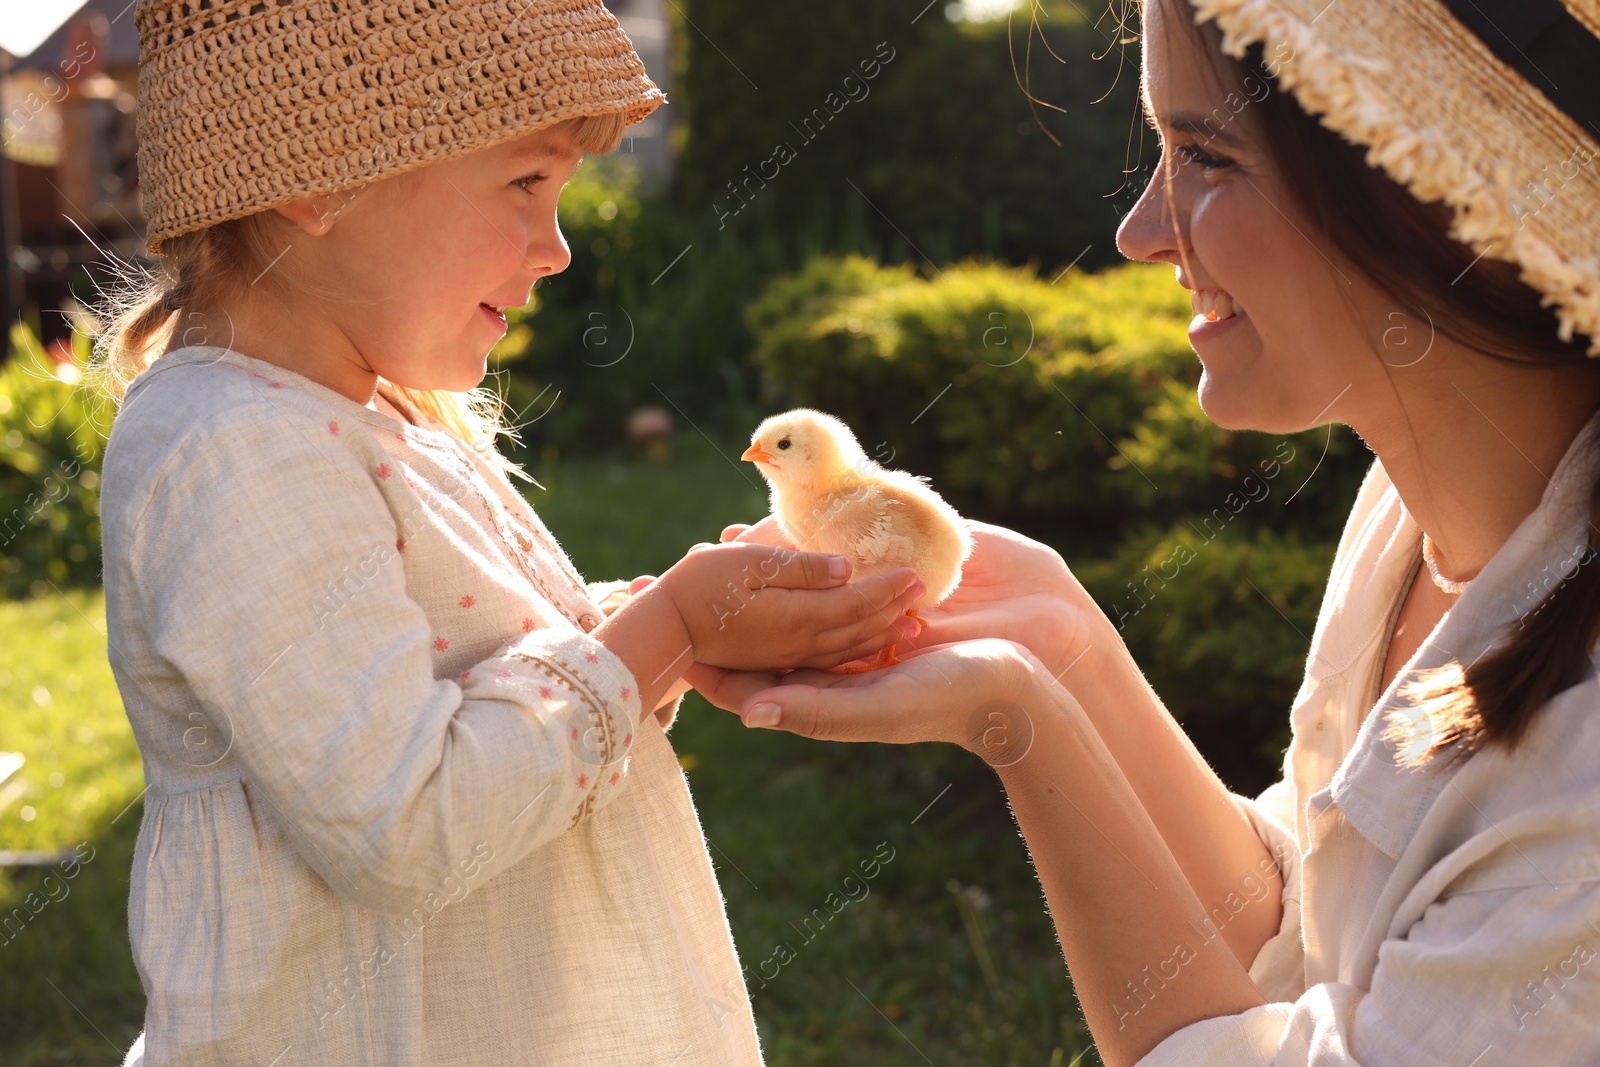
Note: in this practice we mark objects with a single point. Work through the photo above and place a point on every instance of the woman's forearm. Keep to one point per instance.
(1144, 956)
(1232, 872)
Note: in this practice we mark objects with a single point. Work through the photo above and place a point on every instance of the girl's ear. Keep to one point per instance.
(315, 214)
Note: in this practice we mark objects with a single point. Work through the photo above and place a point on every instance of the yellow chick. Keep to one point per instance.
(828, 496)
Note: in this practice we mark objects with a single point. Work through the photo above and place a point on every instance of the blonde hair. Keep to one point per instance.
(215, 266)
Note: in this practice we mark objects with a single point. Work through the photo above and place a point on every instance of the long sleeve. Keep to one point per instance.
(1279, 967)
(269, 567)
(1509, 976)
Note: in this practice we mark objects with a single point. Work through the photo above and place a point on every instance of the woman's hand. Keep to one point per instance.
(1012, 588)
(976, 694)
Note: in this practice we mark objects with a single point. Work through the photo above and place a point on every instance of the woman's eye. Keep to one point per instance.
(530, 179)
(1189, 153)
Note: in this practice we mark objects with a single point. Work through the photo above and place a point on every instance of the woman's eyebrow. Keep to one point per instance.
(1207, 127)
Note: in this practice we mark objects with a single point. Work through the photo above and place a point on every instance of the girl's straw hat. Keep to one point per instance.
(1492, 106)
(248, 104)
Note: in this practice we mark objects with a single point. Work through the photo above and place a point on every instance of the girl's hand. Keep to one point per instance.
(976, 694)
(756, 607)
(1012, 587)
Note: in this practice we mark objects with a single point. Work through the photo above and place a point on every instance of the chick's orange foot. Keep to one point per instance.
(884, 658)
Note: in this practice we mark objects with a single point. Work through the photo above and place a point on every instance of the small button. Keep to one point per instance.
(588, 620)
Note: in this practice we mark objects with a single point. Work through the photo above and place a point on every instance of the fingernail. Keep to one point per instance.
(763, 715)
(838, 567)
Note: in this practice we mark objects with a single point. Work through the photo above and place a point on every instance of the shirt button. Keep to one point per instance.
(588, 620)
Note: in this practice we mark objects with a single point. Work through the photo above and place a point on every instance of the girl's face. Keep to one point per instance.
(1298, 334)
(428, 259)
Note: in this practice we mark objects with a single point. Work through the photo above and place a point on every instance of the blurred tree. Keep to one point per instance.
(919, 126)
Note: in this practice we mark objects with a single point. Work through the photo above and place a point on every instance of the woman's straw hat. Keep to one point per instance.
(248, 104)
(1492, 106)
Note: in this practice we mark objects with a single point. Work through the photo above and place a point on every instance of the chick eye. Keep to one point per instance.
(783, 444)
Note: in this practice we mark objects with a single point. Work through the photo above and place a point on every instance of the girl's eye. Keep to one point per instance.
(1189, 153)
(531, 179)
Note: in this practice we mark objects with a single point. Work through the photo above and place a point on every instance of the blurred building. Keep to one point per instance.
(68, 141)
(645, 22)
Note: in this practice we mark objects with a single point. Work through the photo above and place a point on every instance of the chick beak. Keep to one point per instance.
(757, 454)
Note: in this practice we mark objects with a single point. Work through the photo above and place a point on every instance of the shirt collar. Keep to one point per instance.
(1384, 800)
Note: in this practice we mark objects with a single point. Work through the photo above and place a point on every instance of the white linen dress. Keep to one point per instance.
(401, 808)
(1442, 916)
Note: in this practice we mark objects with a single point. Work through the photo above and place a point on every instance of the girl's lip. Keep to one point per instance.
(498, 317)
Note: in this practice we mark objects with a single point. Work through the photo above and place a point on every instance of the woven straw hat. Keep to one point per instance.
(1492, 106)
(248, 104)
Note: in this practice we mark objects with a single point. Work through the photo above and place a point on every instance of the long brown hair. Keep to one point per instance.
(1404, 246)
(212, 267)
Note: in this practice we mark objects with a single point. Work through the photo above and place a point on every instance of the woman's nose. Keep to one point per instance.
(1147, 233)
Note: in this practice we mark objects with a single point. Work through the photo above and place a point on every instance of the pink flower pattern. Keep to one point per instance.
(333, 428)
(468, 600)
(382, 470)
(441, 643)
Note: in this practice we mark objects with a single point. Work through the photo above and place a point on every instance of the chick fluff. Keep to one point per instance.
(829, 496)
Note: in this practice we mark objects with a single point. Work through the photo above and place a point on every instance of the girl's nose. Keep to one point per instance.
(547, 248)
(1147, 233)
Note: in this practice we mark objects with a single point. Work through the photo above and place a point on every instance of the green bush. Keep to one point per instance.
(1065, 408)
(1068, 410)
(51, 437)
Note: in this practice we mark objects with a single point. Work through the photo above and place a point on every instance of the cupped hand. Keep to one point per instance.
(1012, 587)
(977, 694)
(759, 607)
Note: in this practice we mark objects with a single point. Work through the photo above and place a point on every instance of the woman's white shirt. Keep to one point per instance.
(1444, 914)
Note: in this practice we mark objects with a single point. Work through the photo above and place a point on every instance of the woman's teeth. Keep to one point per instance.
(1213, 305)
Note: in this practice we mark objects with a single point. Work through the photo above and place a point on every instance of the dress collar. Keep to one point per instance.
(1384, 800)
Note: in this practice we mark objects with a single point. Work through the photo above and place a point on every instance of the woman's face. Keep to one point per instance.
(1288, 330)
(420, 254)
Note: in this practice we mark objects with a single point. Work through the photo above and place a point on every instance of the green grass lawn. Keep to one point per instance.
(945, 956)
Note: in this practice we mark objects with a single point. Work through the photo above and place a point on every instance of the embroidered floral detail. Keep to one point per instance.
(614, 777)
(527, 626)
(628, 740)
(592, 656)
(333, 428)
(574, 733)
(544, 691)
(626, 692)
(382, 470)
(468, 600)
(502, 674)
(466, 676)
(409, 482)
(583, 781)
(400, 545)
(399, 434)
(441, 643)
(274, 385)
